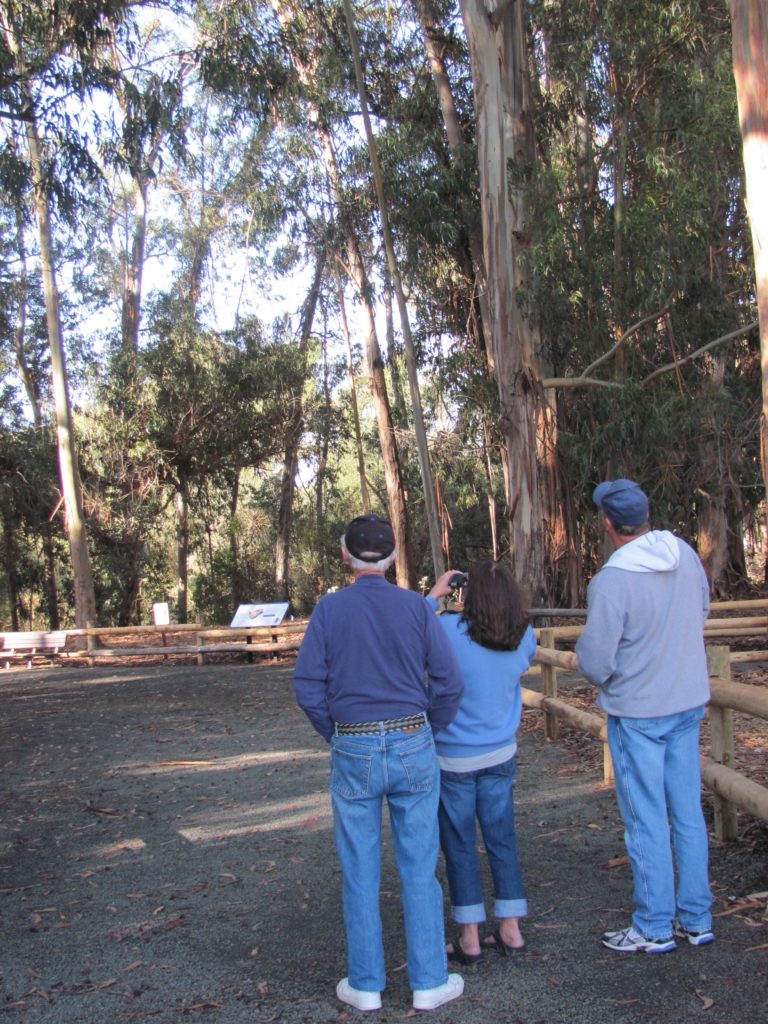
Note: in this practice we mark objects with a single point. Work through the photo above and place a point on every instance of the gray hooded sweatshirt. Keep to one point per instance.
(643, 643)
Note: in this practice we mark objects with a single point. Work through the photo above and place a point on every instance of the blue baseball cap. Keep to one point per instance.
(623, 501)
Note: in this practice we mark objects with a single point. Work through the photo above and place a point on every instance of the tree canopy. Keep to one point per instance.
(235, 335)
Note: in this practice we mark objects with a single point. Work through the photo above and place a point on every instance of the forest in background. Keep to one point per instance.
(266, 265)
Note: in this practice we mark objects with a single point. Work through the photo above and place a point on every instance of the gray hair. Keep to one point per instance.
(358, 565)
(631, 531)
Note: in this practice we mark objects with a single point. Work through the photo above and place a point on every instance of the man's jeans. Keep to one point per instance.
(403, 767)
(488, 795)
(658, 786)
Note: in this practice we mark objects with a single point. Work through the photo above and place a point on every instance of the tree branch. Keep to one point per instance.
(628, 333)
(578, 382)
(700, 351)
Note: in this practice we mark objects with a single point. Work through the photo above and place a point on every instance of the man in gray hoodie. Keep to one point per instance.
(643, 646)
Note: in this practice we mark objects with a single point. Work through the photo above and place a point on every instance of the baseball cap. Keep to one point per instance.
(369, 538)
(623, 501)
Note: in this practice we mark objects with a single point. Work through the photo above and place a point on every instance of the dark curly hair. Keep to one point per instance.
(493, 606)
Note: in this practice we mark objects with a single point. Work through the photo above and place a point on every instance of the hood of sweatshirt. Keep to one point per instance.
(655, 551)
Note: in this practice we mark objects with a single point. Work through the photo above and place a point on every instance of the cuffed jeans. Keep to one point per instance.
(403, 767)
(658, 786)
(488, 796)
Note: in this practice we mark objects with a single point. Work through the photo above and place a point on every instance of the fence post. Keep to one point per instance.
(549, 686)
(721, 740)
(609, 779)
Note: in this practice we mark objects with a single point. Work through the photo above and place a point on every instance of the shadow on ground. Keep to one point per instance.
(166, 854)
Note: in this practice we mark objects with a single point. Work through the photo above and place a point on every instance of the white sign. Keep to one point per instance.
(259, 615)
(160, 614)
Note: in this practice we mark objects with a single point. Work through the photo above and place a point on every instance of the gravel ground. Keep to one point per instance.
(166, 854)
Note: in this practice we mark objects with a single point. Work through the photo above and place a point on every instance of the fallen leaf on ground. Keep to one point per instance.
(109, 811)
(615, 862)
(706, 1001)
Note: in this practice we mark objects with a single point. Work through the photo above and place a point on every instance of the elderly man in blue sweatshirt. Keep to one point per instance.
(376, 676)
(643, 647)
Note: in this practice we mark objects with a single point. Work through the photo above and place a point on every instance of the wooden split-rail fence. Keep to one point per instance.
(732, 790)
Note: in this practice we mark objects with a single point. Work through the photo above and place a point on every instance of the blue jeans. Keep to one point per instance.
(658, 786)
(403, 767)
(488, 796)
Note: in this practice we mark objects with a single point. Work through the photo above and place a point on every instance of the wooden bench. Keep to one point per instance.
(30, 645)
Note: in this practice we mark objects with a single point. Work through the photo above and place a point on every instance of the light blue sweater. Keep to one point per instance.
(643, 643)
(484, 731)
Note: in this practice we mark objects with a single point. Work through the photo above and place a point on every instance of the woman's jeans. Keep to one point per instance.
(403, 767)
(658, 786)
(488, 796)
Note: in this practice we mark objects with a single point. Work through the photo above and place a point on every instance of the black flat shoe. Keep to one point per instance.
(517, 952)
(458, 956)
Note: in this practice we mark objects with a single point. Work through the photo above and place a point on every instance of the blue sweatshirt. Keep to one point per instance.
(375, 651)
(484, 731)
(643, 643)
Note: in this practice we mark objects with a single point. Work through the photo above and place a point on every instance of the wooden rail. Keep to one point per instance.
(732, 791)
(185, 640)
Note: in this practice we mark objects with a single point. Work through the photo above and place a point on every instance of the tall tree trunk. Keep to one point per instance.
(33, 397)
(133, 271)
(749, 20)
(457, 144)
(234, 541)
(364, 494)
(292, 440)
(399, 408)
(398, 511)
(85, 598)
(396, 498)
(427, 481)
(182, 549)
(322, 469)
(497, 46)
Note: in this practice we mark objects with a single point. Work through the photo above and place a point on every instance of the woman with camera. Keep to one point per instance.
(495, 645)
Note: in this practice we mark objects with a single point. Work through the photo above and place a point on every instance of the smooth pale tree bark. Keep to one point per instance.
(365, 496)
(457, 145)
(749, 20)
(293, 433)
(427, 480)
(322, 469)
(497, 45)
(31, 389)
(85, 598)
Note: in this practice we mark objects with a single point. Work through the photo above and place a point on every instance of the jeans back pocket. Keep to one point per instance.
(350, 773)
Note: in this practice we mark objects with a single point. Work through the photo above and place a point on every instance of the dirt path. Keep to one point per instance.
(166, 855)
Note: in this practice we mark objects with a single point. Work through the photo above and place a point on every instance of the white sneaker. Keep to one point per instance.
(695, 938)
(629, 940)
(357, 997)
(431, 998)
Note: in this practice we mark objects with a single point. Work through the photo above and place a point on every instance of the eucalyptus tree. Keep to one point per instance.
(427, 480)
(51, 55)
(750, 68)
(150, 68)
(639, 263)
(293, 433)
(312, 39)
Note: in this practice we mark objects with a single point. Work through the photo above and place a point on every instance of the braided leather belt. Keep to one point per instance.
(410, 722)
